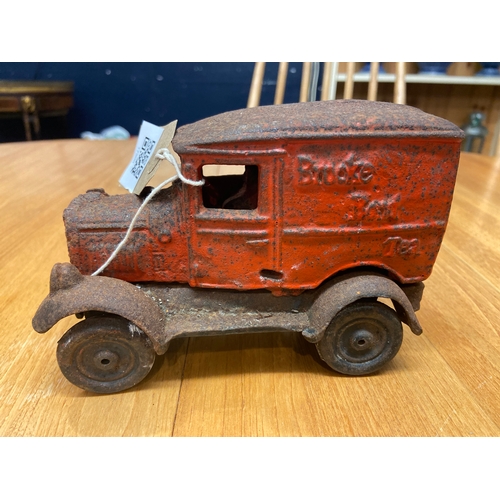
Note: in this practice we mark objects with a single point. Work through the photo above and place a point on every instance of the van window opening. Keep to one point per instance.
(230, 187)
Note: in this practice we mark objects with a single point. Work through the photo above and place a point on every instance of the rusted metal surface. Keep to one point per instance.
(164, 312)
(311, 121)
(73, 293)
(157, 249)
(414, 292)
(193, 312)
(346, 290)
(335, 204)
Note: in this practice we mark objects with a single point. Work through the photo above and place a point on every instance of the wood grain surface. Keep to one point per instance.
(443, 383)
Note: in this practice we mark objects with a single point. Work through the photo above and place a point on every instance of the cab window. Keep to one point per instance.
(230, 187)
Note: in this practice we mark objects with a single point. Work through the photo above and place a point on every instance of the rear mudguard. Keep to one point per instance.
(73, 293)
(350, 289)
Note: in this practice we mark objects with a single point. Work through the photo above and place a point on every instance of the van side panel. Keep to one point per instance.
(365, 202)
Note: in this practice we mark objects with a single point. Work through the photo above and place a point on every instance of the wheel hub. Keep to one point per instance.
(361, 341)
(105, 361)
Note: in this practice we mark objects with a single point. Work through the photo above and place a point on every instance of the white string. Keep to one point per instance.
(163, 154)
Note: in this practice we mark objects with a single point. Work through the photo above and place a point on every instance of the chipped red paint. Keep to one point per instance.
(342, 185)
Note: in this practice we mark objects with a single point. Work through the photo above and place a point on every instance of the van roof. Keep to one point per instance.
(320, 119)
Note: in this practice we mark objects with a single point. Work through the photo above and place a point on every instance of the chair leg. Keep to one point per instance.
(36, 124)
(281, 83)
(373, 84)
(304, 82)
(256, 85)
(349, 81)
(28, 106)
(313, 82)
(329, 83)
(400, 85)
(27, 125)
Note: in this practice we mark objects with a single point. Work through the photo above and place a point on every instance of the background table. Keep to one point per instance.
(443, 383)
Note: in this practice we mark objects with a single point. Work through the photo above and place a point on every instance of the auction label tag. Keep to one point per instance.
(144, 162)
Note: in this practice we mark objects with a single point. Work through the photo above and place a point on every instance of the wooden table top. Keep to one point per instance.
(443, 383)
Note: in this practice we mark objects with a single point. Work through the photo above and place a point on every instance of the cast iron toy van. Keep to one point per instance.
(323, 209)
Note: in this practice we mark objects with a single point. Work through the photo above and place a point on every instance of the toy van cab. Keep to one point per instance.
(323, 208)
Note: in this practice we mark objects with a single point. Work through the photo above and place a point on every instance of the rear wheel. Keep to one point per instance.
(105, 354)
(362, 338)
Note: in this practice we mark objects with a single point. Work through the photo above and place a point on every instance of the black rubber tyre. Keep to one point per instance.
(361, 339)
(105, 354)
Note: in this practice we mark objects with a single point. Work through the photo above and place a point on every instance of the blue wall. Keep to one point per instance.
(126, 93)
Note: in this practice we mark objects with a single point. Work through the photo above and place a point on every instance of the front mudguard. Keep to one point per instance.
(73, 293)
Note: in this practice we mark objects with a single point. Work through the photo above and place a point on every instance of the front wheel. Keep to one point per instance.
(361, 339)
(105, 354)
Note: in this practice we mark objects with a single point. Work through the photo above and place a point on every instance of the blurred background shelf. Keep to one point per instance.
(434, 79)
(454, 95)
